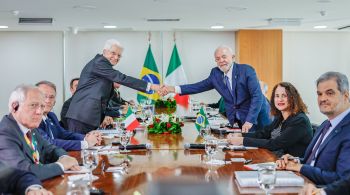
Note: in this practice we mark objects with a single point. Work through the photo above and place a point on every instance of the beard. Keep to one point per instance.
(225, 68)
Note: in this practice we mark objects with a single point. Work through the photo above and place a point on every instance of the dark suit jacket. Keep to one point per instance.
(62, 138)
(16, 152)
(339, 187)
(333, 158)
(296, 134)
(15, 181)
(90, 101)
(248, 102)
(64, 111)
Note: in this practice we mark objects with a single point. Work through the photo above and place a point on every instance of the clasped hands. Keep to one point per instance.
(163, 89)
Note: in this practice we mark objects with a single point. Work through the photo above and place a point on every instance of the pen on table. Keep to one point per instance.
(248, 161)
(290, 158)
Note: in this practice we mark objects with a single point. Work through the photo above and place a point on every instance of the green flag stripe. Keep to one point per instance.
(175, 61)
(150, 63)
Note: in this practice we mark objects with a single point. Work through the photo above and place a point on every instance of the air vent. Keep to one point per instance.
(163, 20)
(284, 21)
(35, 20)
(344, 27)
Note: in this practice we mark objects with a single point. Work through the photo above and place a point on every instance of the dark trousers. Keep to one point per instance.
(79, 127)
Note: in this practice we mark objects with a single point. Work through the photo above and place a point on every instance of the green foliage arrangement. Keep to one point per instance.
(165, 124)
(168, 103)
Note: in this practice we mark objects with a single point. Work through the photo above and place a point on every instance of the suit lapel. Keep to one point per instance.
(313, 142)
(27, 150)
(235, 74)
(334, 132)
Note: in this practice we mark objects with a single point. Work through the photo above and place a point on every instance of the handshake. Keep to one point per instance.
(163, 89)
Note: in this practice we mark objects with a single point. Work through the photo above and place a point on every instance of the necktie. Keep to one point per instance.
(33, 146)
(228, 85)
(48, 126)
(319, 141)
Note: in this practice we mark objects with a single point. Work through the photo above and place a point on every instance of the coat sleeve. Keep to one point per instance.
(204, 85)
(255, 94)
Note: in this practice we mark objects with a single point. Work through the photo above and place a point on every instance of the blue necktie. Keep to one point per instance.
(319, 141)
(228, 85)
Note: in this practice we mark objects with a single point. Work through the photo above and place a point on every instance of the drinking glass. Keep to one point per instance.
(90, 161)
(211, 147)
(77, 188)
(205, 133)
(267, 177)
(125, 139)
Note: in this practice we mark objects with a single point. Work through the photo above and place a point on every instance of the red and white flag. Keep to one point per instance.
(131, 122)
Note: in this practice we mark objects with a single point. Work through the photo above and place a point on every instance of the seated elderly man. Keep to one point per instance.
(21, 144)
(51, 130)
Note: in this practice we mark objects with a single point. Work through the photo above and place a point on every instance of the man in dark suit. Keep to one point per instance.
(89, 103)
(238, 85)
(327, 159)
(19, 182)
(22, 146)
(73, 87)
(51, 130)
(116, 102)
(339, 187)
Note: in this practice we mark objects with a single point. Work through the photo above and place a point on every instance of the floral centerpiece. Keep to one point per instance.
(165, 124)
(167, 106)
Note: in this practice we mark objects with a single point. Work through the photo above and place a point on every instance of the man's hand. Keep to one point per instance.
(98, 136)
(234, 135)
(237, 141)
(155, 87)
(69, 162)
(106, 121)
(165, 90)
(311, 189)
(246, 126)
(41, 191)
(288, 164)
(91, 139)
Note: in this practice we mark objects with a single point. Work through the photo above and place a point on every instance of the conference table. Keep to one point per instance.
(167, 160)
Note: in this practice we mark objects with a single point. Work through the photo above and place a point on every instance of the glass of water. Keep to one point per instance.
(90, 161)
(125, 139)
(211, 147)
(267, 177)
(77, 188)
(205, 133)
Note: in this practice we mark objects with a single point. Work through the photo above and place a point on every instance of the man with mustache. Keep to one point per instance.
(326, 158)
(238, 85)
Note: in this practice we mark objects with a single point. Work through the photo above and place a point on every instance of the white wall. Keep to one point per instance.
(28, 57)
(307, 55)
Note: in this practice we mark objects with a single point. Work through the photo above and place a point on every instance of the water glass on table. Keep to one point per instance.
(90, 161)
(267, 177)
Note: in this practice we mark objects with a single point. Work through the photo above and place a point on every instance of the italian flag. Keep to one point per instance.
(176, 76)
(130, 120)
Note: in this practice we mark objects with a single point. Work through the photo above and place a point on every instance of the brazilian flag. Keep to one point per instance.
(149, 73)
(201, 120)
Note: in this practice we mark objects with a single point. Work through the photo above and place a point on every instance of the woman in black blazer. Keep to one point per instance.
(289, 133)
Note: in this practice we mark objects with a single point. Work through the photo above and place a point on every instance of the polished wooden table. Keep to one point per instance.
(166, 160)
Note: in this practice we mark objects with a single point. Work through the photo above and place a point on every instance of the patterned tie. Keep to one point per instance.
(319, 141)
(228, 85)
(33, 146)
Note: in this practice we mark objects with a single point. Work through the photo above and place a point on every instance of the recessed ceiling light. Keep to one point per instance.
(320, 27)
(84, 7)
(109, 26)
(231, 9)
(4, 27)
(217, 27)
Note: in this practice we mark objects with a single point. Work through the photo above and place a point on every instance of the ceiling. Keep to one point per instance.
(86, 15)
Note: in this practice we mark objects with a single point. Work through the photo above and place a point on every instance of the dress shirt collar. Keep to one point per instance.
(338, 119)
(23, 128)
(229, 73)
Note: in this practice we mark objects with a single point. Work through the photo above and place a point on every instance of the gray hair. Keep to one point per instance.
(109, 43)
(19, 95)
(341, 79)
(224, 47)
(48, 83)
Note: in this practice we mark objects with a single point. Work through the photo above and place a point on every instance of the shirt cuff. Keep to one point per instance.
(60, 164)
(178, 89)
(33, 187)
(148, 87)
(84, 145)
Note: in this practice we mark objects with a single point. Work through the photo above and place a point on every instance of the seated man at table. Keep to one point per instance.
(338, 187)
(22, 146)
(51, 130)
(73, 87)
(327, 156)
(19, 182)
(116, 102)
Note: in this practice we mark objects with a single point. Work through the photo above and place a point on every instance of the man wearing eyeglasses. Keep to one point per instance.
(21, 145)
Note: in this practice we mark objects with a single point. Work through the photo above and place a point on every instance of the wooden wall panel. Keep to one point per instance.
(262, 49)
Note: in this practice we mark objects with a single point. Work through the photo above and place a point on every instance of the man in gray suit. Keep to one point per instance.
(89, 103)
(22, 146)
